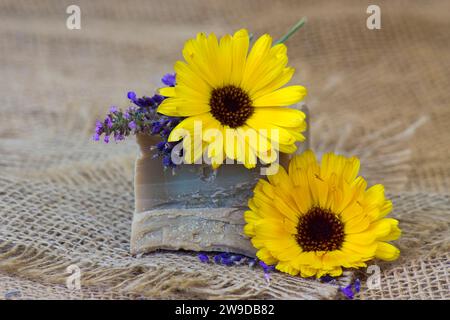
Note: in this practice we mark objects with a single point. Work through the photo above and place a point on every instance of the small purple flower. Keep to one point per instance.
(357, 285)
(347, 291)
(169, 79)
(156, 127)
(165, 132)
(265, 267)
(203, 258)
(131, 95)
(267, 277)
(145, 102)
(167, 162)
(158, 98)
(217, 259)
(161, 145)
(251, 262)
(98, 124)
(128, 112)
(118, 136)
(98, 128)
(163, 121)
(109, 122)
(327, 279)
(132, 125)
(227, 261)
(142, 117)
(236, 258)
(169, 147)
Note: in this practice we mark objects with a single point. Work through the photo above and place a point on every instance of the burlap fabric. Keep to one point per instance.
(379, 94)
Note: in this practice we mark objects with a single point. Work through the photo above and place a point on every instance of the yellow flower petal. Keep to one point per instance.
(307, 272)
(189, 78)
(304, 161)
(338, 258)
(246, 147)
(347, 168)
(304, 202)
(283, 78)
(374, 196)
(357, 224)
(308, 259)
(178, 108)
(361, 238)
(264, 255)
(239, 51)
(249, 230)
(282, 97)
(256, 57)
(385, 208)
(269, 230)
(195, 58)
(382, 228)
(167, 91)
(387, 252)
(334, 272)
(286, 148)
(394, 232)
(364, 251)
(351, 212)
(284, 249)
(276, 134)
(319, 189)
(283, 117)
(287, 268)
(226, 62)
(271, 69)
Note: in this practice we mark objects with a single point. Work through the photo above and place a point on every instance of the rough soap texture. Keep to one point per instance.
(200, 229)
(196, 209)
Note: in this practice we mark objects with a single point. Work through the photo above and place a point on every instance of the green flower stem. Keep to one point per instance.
(291, 31)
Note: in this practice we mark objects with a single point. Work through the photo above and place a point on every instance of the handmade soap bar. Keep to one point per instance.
(196, 209)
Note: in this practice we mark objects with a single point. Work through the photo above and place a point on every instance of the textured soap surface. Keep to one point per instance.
(199, 229)
(195, 209)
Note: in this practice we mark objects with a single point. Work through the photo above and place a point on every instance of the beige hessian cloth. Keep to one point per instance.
(382, 95)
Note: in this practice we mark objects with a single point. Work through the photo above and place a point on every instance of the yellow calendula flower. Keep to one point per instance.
(240, 94)
(317, 218)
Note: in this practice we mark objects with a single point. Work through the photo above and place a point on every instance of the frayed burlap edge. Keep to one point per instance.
(144, 282)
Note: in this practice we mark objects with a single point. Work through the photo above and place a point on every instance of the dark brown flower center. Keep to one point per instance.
(320, 230)
(231, 106)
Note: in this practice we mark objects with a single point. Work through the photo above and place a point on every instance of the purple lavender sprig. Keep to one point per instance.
(230, 259)
(352, 289)
(141, 118)
(227, 259)
(169, 79)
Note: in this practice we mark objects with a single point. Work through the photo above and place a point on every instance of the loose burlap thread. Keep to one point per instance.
(380, 95)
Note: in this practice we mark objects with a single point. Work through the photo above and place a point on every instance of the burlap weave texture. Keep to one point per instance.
(381, 95)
